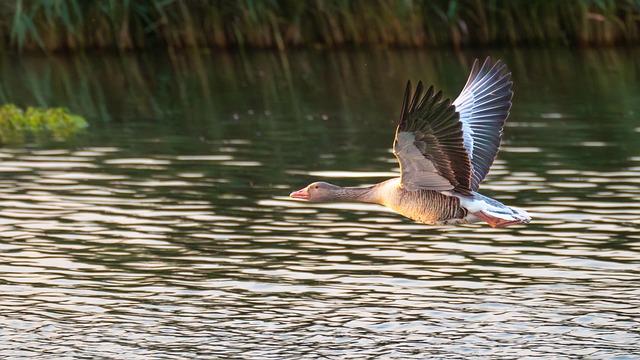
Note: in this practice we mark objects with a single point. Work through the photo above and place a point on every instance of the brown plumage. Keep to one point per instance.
(443, 209)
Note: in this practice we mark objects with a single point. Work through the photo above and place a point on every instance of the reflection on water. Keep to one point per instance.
(167, 231)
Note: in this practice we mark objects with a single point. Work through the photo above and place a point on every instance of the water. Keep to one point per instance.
(165, 231)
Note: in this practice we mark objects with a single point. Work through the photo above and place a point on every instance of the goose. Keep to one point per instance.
(444, 150)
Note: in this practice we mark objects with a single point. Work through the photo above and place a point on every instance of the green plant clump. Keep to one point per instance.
(17, 125)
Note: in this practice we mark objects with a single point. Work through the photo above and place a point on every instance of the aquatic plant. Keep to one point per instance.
(127, 24)
(17, 125)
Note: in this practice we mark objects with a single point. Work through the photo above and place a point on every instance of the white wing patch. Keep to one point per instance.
(417, 171)
(483, 106)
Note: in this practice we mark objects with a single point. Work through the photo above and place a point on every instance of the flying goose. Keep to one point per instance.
(445, 149)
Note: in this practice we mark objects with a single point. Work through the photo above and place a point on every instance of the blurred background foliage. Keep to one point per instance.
(132, 24)
(270, 92)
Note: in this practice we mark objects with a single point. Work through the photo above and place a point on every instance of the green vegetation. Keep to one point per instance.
(18, 126)
(128, 24)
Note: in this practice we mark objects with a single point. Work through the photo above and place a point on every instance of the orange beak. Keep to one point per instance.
(300, 194)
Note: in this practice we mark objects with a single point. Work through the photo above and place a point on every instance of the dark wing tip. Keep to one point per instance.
(416, 97)
(412, 102)
(405, 103)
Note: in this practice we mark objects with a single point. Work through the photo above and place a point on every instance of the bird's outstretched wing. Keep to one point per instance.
(451, 146)
(484, 105)
(429, 143)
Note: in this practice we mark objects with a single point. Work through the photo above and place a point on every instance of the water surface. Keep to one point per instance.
(165, 231)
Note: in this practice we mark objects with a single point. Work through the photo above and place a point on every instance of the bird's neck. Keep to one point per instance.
(365, 194)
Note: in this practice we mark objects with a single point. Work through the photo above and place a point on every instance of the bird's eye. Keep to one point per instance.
(315, 187)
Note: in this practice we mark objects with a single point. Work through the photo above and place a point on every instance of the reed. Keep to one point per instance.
(128, 24)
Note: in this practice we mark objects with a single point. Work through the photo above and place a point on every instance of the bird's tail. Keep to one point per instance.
(505, 217)
(493, 212)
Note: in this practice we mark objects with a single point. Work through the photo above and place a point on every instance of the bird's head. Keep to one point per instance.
(317, 192)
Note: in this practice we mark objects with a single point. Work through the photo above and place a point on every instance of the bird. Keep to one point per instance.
(445, 149)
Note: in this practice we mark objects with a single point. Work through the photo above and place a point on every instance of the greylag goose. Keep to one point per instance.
(445, 149)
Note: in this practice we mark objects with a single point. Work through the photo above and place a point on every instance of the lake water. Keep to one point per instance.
(165, 230)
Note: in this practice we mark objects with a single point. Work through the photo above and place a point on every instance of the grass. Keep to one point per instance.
(17, 125)
(129, 24)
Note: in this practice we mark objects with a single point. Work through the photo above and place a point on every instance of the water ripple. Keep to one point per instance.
(176, 239)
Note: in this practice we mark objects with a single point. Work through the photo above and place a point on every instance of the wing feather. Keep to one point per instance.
(484, 105)
(429, 143)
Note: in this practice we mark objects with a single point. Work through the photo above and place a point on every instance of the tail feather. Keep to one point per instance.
(493, 212)
(503, 219)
